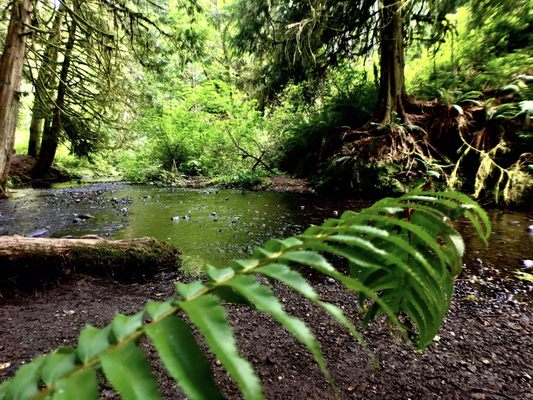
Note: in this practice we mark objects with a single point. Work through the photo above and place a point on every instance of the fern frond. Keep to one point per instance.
(403, 257)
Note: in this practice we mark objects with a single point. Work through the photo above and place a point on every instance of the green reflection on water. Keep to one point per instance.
(214, 226)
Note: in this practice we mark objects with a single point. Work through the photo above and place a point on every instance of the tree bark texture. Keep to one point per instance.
(36, 129)
(11, 66)
(50, 139)
(34, 263)
(392, 93)
(44, 85)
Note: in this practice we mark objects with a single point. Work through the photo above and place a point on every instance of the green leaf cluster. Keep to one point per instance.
(403, 256)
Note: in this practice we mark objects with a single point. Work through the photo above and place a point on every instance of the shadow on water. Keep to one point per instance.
(212, 226)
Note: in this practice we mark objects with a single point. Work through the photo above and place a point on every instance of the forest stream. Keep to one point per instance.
(212, 226)
(479, 353)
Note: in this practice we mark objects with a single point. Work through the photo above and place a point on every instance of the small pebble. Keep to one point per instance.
(527, 264)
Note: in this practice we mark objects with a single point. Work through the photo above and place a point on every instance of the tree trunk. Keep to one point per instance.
(11, 65)
(392, 93)
(50, 139)
(44, 85)
(33, 263)
(36, 129)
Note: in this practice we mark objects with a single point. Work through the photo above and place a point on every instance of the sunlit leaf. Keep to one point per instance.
(183, 358)
(210, 318)
(126, 368)
(25, 383)
(92, 342)
(82, 385)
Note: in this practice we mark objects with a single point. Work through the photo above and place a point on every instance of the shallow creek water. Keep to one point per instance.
(217, 225)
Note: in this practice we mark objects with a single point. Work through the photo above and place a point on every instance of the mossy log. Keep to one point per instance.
(27, 263)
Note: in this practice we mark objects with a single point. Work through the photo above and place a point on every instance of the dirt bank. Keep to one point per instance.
(483, 352)
(21, 167)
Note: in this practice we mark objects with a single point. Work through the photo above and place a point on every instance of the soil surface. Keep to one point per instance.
(483, 351)
(285, 183)
(21, 167)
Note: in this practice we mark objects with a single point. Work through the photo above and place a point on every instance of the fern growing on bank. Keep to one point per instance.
(403, 257)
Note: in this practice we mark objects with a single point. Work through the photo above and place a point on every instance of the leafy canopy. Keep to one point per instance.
(301, 40)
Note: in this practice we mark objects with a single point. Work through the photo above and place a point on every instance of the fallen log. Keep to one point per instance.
(27, 263)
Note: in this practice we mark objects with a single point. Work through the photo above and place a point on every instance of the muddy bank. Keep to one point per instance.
(483, 351)
(21, 167)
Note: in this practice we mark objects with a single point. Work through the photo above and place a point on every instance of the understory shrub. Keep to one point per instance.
(347, 104)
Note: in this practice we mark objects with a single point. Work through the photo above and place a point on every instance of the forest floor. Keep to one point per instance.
(483, 350)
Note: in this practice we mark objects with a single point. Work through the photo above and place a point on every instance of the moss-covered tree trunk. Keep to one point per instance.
(50, 139)
(392, 93)
(43, 87)
(11, 65)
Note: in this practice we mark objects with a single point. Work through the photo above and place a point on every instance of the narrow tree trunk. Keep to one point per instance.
(11, 65)
(50, 139)
(44, 85)
(392, 93)
(36, 129)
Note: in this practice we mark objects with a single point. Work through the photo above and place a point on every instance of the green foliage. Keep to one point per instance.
(488, 47)
(346, 100)
(99, 165)
(194, 133)
(302, 41)
(499, 27)
(501, 152)
(403, 257)
(245, 179)
(136, 166)
(195, 116)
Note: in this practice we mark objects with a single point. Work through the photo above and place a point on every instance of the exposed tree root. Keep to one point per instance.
(455, 144)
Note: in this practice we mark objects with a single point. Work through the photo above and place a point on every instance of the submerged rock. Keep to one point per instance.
(38, 233)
